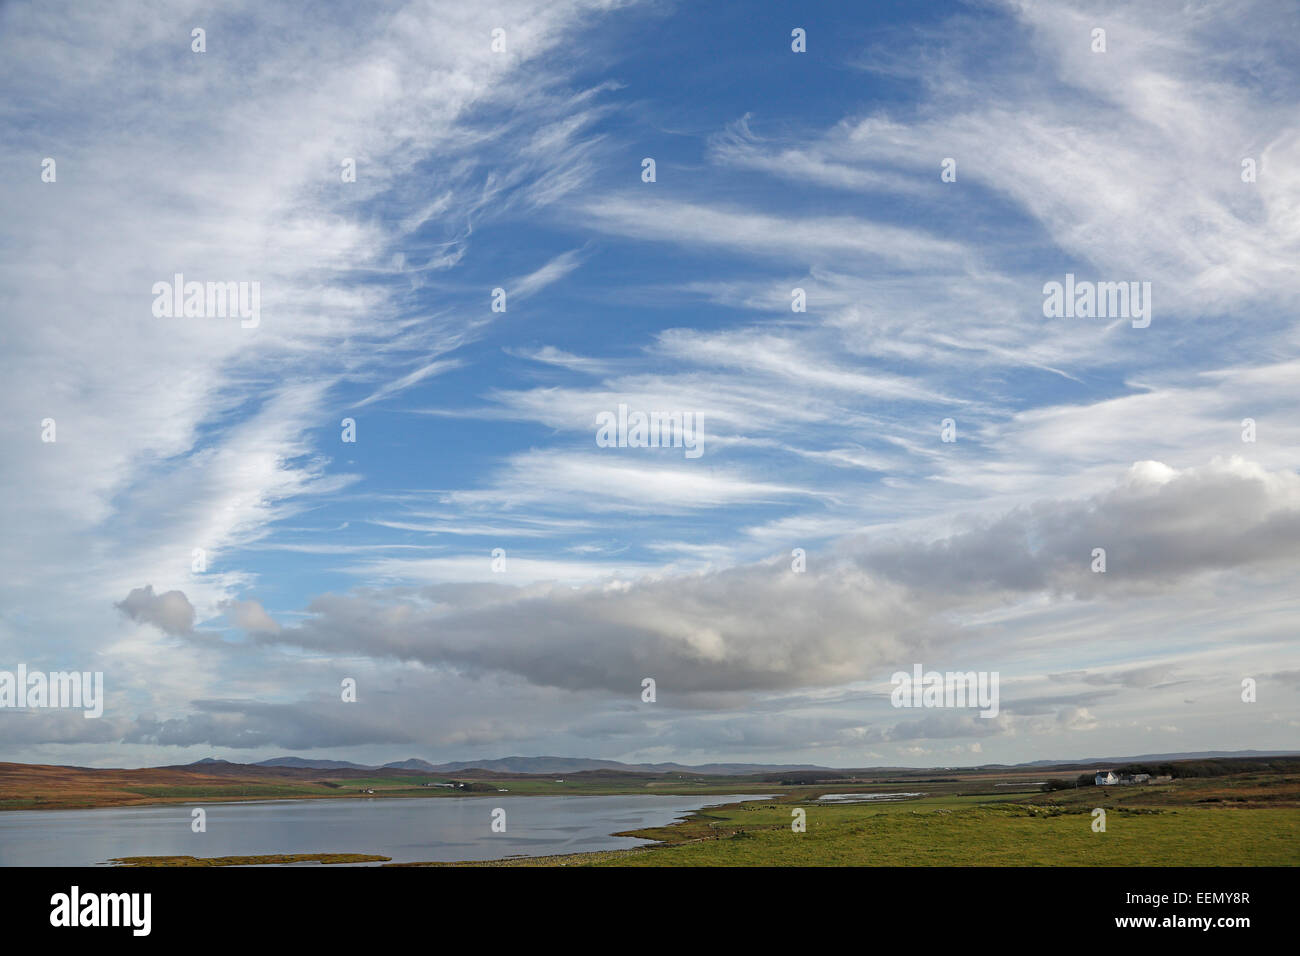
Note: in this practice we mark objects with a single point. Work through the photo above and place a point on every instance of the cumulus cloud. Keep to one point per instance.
(1078, 718)
(250, 616)
(1156, 526)
(26, 728)
(171, 612)
(761, 627)
(300, 725)
(739, 629)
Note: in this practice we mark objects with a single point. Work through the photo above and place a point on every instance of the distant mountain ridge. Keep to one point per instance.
(305, 764)
(552, 765)
(541, 765)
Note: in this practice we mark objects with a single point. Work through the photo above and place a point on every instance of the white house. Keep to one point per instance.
(1106, 778)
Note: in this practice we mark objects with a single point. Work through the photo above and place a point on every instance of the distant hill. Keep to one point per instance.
(579, 764)
(308, 764)
(539, 765)
(415, 763)
(563, 765)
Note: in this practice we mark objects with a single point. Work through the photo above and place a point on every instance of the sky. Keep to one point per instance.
(391, 474)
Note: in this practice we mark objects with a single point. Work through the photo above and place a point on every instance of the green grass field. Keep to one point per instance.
(276, 859)
(1245, 820)
(945, 833)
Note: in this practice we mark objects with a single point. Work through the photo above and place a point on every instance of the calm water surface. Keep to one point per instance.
(407, 829)
(866, 797)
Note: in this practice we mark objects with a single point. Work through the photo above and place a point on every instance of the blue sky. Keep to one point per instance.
(475, 430)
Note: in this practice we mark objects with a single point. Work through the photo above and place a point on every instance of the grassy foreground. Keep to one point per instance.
(1010, 835)
(1189, 823)
(272, 859)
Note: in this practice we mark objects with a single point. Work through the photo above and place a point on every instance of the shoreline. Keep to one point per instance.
(592, 856)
